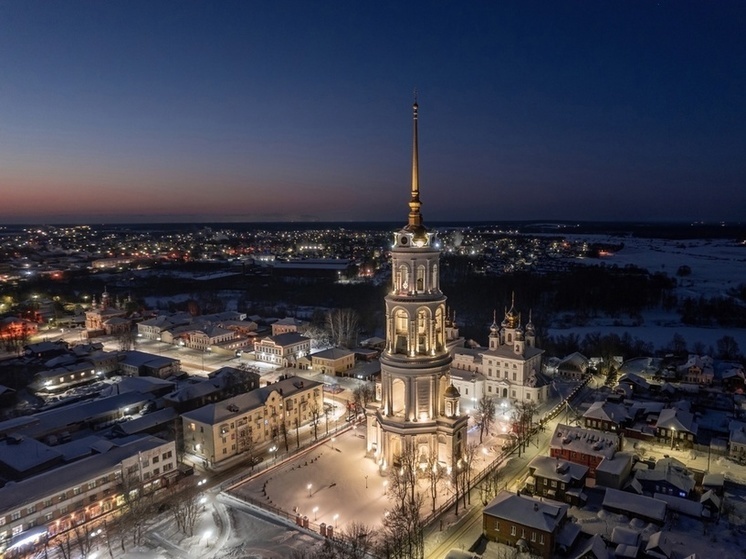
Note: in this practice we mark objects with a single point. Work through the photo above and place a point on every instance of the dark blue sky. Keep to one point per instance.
(262, 111)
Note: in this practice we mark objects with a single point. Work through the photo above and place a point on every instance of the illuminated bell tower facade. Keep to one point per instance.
(419, 407)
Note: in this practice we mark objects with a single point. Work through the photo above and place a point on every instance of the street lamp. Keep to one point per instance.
(315, 513)
(673, 432)
(336, 516)
(309, 488)
(273, 450)
(333, 439)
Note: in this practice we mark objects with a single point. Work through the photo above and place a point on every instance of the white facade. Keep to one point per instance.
(54, 501)
(511, 366)
(419, 407)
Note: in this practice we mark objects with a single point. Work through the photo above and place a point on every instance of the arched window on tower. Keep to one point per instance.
(400, 334)
(404, 278)
(423, 334)
(420, 279)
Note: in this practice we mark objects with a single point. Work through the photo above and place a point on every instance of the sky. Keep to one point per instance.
(170, 111)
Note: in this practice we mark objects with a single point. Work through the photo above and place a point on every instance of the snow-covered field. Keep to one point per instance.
(717, 266)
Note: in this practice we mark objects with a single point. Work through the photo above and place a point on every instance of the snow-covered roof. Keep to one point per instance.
(21, 454)
(36, 488)
(585, 441)
(672, 418)
(671, 471)
(659, 546)
(607, 411)
(527, 511)
(635, 505)
(594, 548)
(218, 412)
(332, 353)
(680, 504)
(559, 470)
(615, 465)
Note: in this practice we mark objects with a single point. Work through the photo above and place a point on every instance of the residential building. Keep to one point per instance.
(289, 324)
(525, 522)
(283, 350)
(583, 446)
(56, 500)
(676, 426)
(556, 479)
(606, 416)
(219, 431)
(333, 361)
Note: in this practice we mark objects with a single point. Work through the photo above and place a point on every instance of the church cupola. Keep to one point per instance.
(530, 332)
(494, 332)
(452, 397)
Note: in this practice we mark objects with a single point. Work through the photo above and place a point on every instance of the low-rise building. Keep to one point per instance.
(333, 361)
(556, 479)
(676, 426)
(283, 350)
(524, 522)
(231, 427)
(583, 446)
(56, 500)
(606, 416)
(289, 324)
(138, 363)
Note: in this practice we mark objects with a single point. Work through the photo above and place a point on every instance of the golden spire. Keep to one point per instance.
(415, 218)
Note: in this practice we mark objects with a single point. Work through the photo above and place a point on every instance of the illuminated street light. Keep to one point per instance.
(309, 488)
(336, 516)
(315, 513)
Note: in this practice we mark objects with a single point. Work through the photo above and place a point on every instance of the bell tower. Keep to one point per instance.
(418, 408)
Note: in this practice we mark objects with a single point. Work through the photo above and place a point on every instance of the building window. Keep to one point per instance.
(15, 515)
(541, 539)
(497, 525)
(512, 531)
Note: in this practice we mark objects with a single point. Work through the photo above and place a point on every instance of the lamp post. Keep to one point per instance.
(309, 488)
(673, 433)
(273, 450)
(336, 516)
(315, 513)
(333, 439)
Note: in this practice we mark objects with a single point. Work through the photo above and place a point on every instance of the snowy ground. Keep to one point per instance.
(716, 267)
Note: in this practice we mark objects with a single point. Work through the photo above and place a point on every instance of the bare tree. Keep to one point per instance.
(434, 473)
(485, 415)
(470, 453)
(358, 539)
(284, 433)
(82, 537)
(343, 326)
(135, 509)
(361, 396)
(185, 509)
(490, 485)
(127, 339)
(403, 536)
(315, 411)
